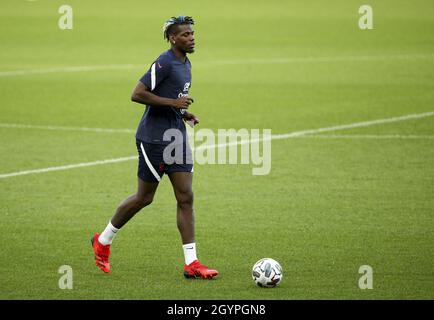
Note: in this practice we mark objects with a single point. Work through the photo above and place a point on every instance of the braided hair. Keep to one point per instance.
(175, 21)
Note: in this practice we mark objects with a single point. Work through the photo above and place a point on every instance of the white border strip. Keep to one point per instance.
(281, 136)
(149, 164)
(153, 79)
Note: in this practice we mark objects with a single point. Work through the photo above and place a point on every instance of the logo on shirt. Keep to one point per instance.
(186, 86)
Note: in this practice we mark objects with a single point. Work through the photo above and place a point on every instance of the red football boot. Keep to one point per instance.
(198, 270)
(102, 254)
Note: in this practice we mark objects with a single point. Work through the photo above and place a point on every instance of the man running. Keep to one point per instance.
(164, 91)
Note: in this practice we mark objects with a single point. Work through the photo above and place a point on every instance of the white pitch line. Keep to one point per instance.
(273, 137)
(317, 59)
(354, 125)
(9, 73)
(369, 136)
(60, 128)
(67, 167)
(67, 69)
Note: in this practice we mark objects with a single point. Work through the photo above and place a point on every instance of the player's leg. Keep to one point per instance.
(125, 211)
(182, 186)
(134, 203)
(148, 179)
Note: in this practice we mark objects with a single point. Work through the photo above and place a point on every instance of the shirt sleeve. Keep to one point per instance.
(158, 71)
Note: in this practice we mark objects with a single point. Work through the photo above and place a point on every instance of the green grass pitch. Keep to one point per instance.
(333, 201)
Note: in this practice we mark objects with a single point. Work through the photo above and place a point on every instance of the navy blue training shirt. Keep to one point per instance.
(168, 77)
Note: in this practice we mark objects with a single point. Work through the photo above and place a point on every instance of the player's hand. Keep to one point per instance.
(182, 102)
(191, 119)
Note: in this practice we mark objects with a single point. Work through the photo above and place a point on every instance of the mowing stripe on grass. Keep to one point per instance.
(24, 72)
(273, 137)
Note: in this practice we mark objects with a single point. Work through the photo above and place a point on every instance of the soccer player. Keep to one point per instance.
(164, 91)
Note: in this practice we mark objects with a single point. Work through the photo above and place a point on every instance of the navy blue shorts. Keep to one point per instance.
(152, 166)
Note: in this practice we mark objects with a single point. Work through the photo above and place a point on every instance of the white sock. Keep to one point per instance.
(189, 252)
(107, 236)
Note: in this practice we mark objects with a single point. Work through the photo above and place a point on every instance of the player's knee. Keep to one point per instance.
(185, 198)
(145, 200)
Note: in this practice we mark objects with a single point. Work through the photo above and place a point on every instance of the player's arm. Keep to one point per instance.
(143, 95)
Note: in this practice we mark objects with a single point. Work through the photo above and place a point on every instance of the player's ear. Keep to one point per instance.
(172, 39)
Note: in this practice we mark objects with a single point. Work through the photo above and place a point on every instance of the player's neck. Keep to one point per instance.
(182, 56)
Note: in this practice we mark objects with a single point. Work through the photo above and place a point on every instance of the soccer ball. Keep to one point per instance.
(267, 272)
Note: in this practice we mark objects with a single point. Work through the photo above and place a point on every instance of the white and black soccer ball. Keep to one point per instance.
(267, 273)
